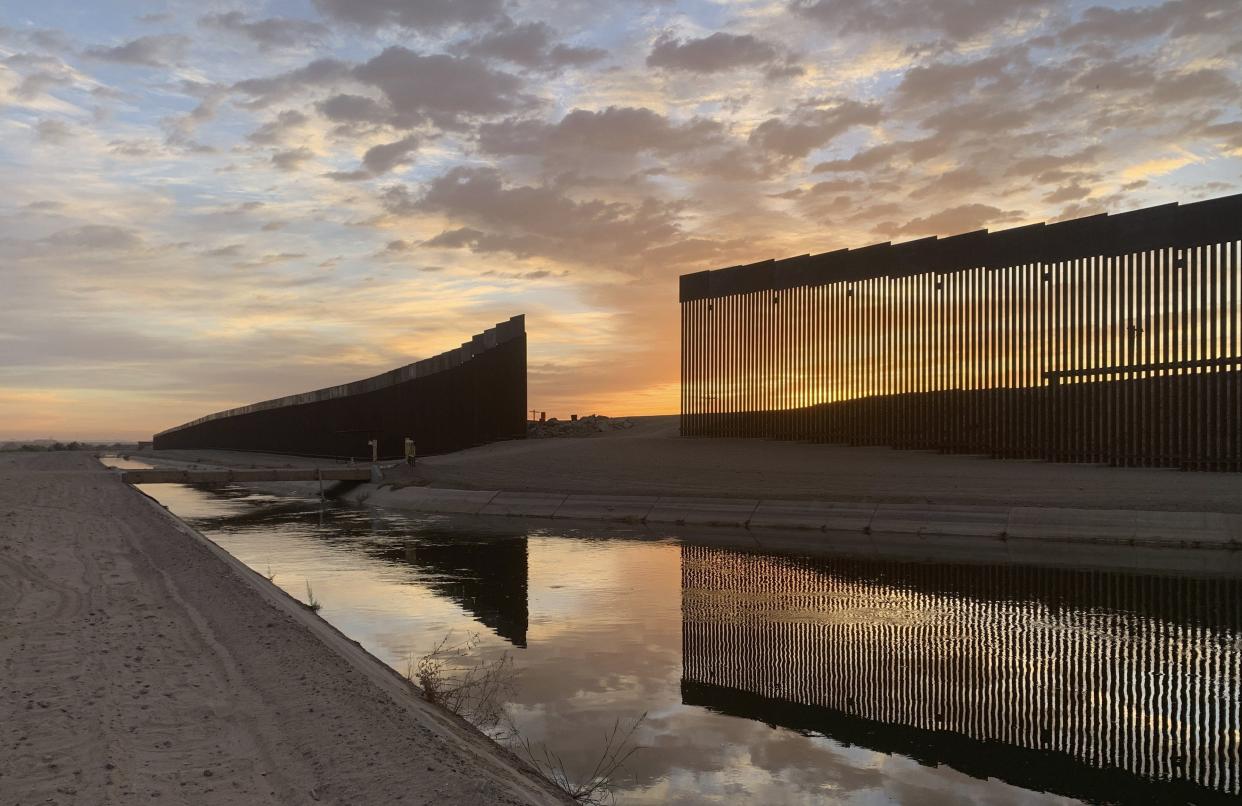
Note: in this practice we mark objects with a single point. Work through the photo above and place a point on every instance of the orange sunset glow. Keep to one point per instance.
(211, 206)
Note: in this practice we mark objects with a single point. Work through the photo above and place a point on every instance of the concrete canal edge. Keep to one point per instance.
(1152, 529)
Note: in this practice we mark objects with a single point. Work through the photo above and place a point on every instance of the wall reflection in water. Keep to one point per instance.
(1099, 686)
(486, 577)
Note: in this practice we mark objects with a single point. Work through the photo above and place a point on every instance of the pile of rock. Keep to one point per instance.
(582, 427)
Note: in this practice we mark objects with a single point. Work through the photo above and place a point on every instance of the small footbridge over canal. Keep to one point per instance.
(226, 475)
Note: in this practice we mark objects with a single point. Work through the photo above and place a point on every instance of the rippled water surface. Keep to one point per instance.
(778, 677)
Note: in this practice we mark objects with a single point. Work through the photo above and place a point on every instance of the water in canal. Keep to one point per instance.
(776, 677)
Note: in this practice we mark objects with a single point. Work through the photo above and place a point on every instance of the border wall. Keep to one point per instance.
(1110, 339)
(467, 396)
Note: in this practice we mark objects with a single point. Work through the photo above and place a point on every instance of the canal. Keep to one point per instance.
(780, 677)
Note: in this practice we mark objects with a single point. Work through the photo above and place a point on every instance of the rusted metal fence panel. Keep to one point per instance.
(1110, 339)
(467, 396)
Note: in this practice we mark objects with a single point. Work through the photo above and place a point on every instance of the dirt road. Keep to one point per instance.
(141, 664)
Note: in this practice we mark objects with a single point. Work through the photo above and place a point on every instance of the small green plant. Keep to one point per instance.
(311, 602)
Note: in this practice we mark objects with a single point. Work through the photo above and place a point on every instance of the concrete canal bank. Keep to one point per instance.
(1205, 530)
(646, 474)
(140, 662)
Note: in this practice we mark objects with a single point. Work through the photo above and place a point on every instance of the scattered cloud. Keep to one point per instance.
(382, 158)
(443, 88)
(812, 127)
(955, 220)
(231, 250)
(53, 132)
(627, 130)
(386, 156)
(158, 50)
(527, 221)
(270, 32)
(182, 129)
(292, 159)
(1173, 18)
(532, 45)
(103, 237)
(318, 74)
(349, 110)
(275, 131)
(1157, 166)
(720, 52)
(422, 15)
(959, 19)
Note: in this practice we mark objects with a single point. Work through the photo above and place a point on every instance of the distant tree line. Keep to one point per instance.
(46, 445)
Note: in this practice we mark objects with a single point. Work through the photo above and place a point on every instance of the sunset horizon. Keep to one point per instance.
(212, 207)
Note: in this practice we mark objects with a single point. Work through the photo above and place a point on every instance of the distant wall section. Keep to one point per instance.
(467, 396)
(1112, 339)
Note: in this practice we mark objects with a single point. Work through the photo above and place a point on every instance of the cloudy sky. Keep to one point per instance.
(211, 203)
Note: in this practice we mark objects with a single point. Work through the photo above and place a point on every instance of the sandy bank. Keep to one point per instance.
(141, 663)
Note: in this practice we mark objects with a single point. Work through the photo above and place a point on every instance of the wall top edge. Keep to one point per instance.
(489, 339)
(1163, 226)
